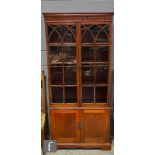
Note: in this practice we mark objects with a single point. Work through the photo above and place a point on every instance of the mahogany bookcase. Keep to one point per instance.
(78, 49)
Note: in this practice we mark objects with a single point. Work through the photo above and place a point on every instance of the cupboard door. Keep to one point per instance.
(64, 126)
(95, 126)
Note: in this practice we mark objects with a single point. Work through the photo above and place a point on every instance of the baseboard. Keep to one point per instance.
(104, 146)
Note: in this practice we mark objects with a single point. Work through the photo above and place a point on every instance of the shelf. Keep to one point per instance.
(82, 44)
(63, 85)
(102, 63)
(95, 44)
(63, 63)
(61, 44)
(94, 85)
(75, 64)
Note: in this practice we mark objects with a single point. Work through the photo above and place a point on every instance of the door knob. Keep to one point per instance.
(80, 125)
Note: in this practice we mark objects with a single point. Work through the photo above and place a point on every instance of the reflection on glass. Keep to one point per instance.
(57, 95)
(101, 74)
(69, 54)
(65, 54)
(69, 35)
(56, 75)
(61, 30)
(88, 94)
(102, 54)
(69, 38)
(101, 94)
(69, 75)
(56, 54)
(87, 75)
(87, 54)
(70, 94)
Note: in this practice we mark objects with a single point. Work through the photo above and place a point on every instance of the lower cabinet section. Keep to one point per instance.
(80, 128)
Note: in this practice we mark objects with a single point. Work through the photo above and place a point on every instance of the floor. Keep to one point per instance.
(82, 152)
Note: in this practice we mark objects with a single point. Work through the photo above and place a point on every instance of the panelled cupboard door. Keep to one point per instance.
(95, 126)
(64, 126)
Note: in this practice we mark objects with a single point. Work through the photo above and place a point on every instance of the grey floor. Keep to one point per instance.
(82, 152)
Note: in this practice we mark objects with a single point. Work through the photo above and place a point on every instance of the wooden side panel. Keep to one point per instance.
(64, 127)
(95, 126)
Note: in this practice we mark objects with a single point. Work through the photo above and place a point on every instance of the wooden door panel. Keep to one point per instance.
(64, 126)
(95, 126)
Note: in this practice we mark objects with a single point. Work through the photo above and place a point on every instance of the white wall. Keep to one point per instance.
(78, 6)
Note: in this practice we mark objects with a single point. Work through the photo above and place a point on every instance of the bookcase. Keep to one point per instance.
(78, 49)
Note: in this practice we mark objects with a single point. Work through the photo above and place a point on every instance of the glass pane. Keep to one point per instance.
(56, 75)
(88, 37)
(102, 54)
(88, 94)
(87, 75)
(70, 95)
(86, 34)
(87, 54)
(61, 30)
(56, 55)
(50, 28)
(70, 75)
(69, 35)
(103, 34)
(57, 95)
(69, 54)
(95, 29)
(54, 35)
(101, 94)
(101, 74)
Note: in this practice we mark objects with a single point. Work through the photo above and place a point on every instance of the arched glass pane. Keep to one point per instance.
(54, 37)
(87, 37)
(69, 35)
(103, 34)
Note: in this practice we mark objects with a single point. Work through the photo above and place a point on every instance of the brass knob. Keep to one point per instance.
(80, 125)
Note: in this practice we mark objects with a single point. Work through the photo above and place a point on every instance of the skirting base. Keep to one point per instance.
(103, 146)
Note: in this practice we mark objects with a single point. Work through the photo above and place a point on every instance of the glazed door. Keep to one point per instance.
(63, 64)
(95, 46)
(95, 126)
(65, 126)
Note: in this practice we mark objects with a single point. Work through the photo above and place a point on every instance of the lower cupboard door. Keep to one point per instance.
(95, 126)
(64, 126)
